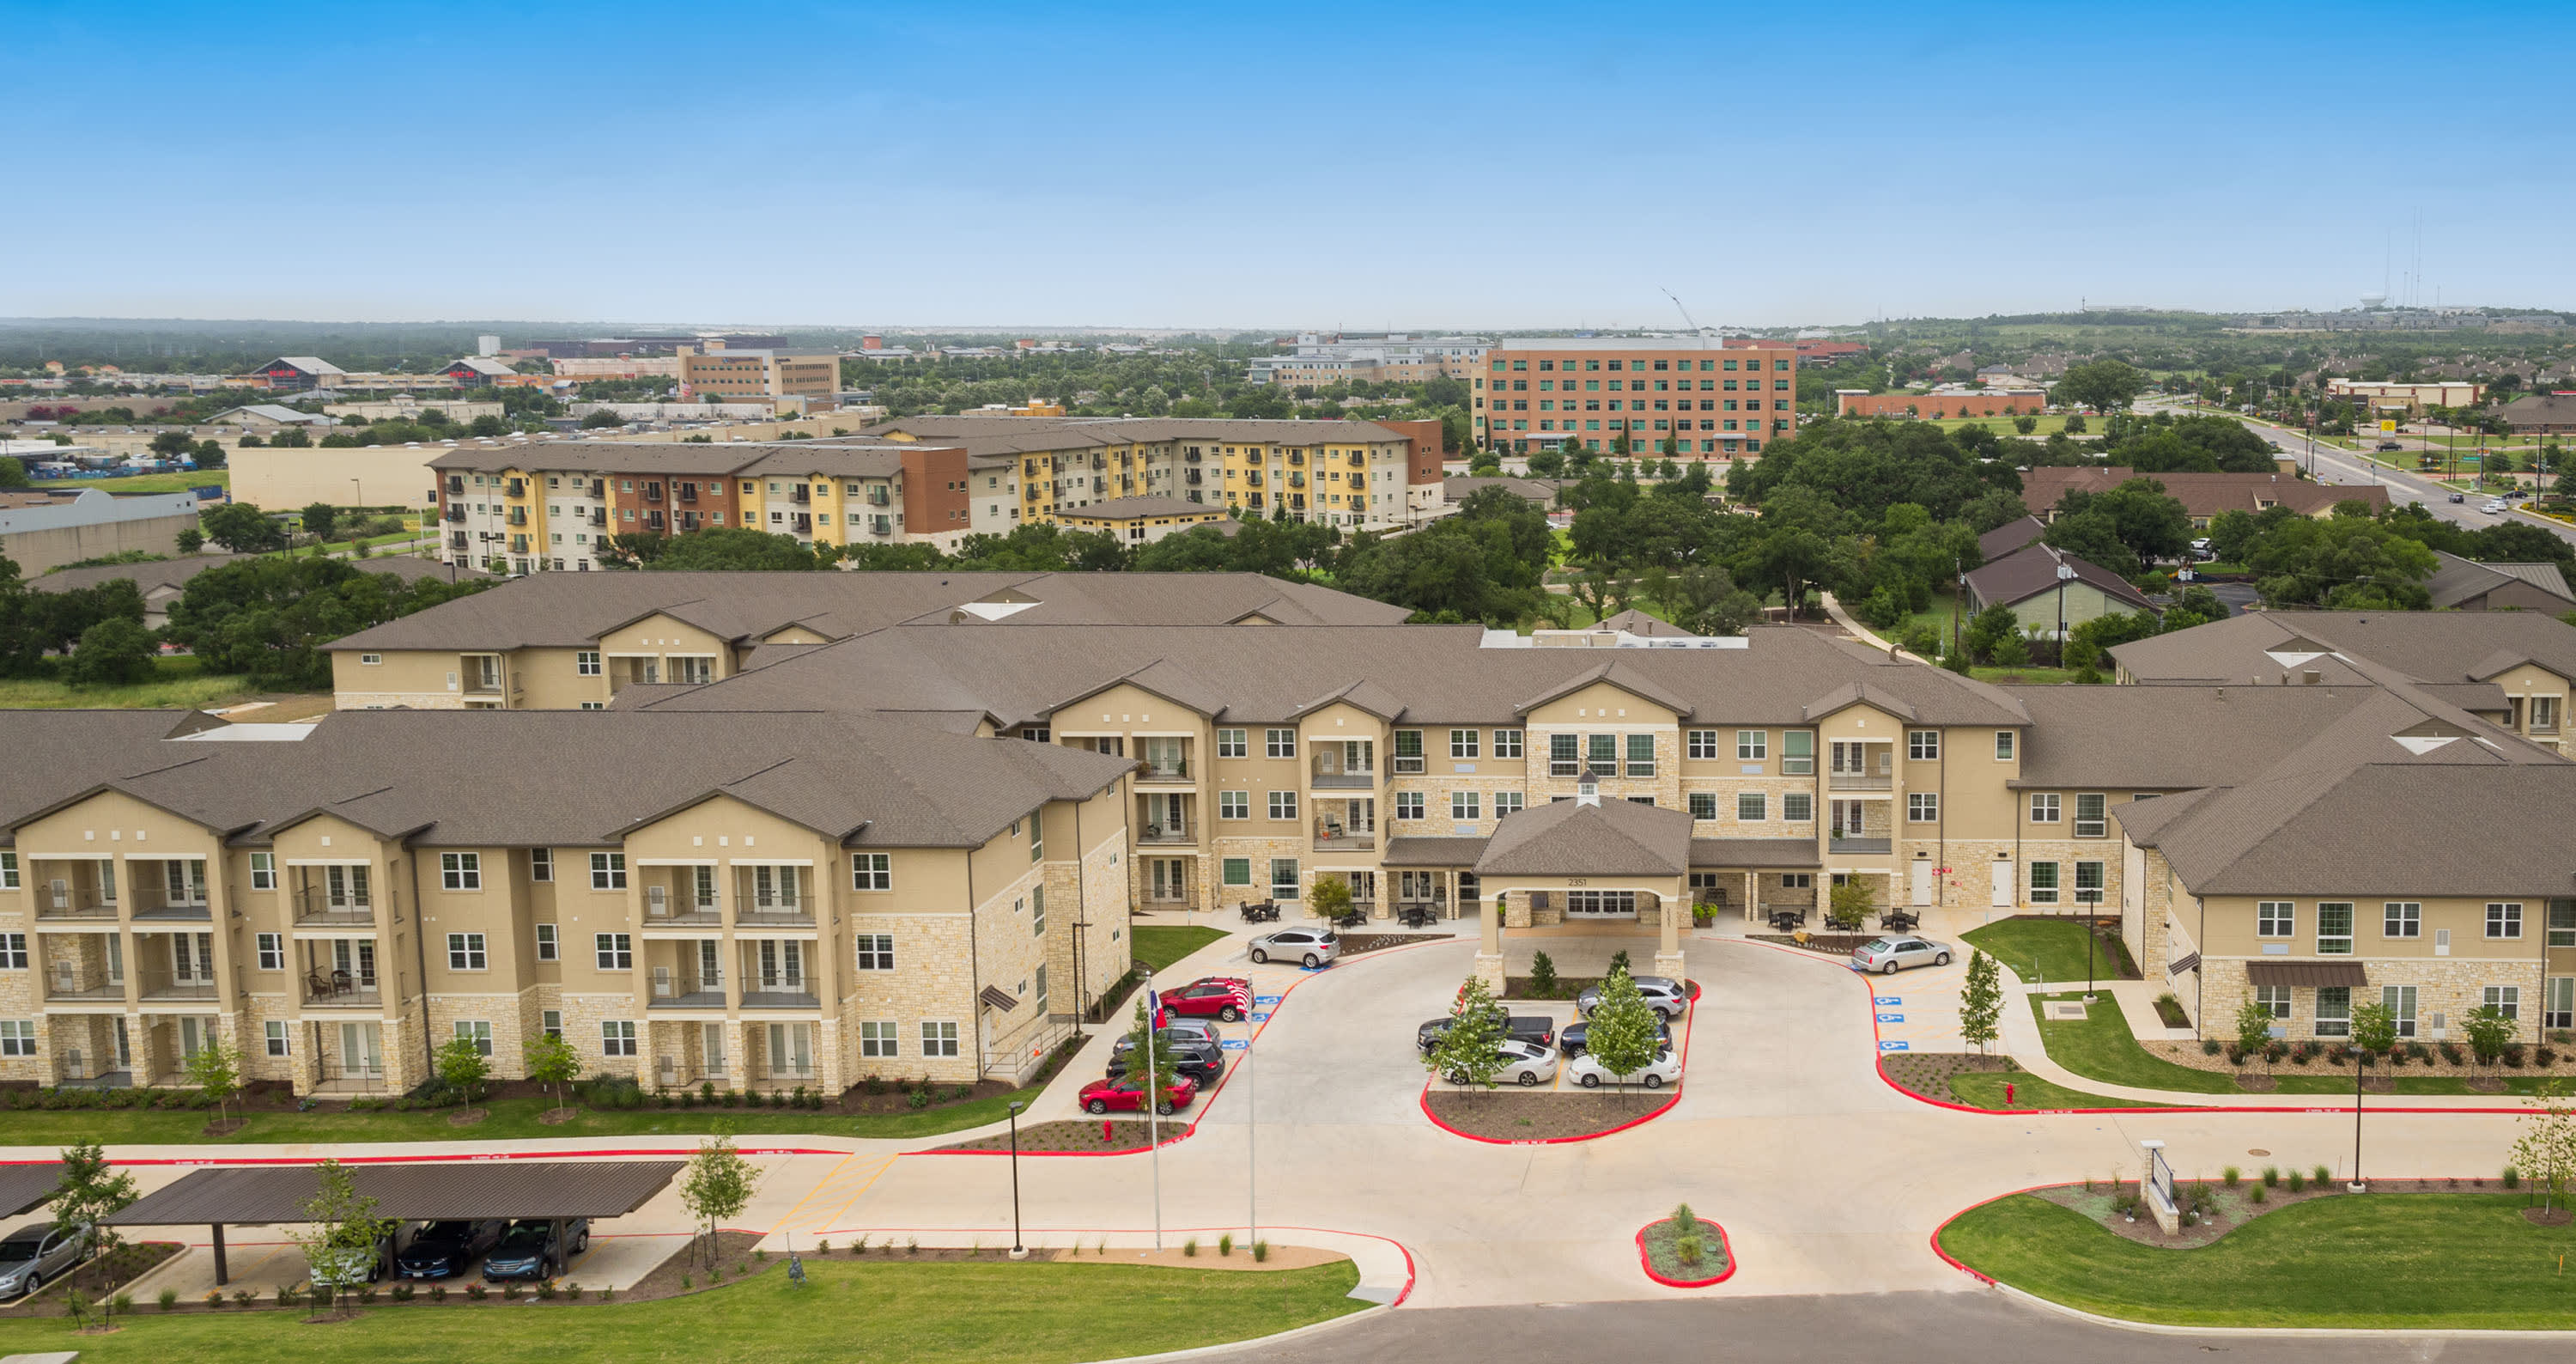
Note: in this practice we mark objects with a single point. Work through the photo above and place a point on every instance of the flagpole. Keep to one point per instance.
(1154, 1101)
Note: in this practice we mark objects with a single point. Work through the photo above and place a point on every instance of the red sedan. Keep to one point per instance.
(1127, 1094)
(1223, 997)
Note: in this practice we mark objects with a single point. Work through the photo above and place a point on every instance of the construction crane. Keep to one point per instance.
(1696, 329)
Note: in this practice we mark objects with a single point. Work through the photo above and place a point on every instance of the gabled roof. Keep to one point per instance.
(1368, 696)
(2031, 571)
(1852, 694)
(2008, 537)
(1586, 838)
(2458, 580)
(2425, 646)
(1616, 673)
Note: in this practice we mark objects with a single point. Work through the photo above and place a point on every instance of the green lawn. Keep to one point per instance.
(180, 683)
(2049, 424)
(1159, 946)
(2030, 674)
(162, 483)
(2101, 1047)
(1985, 1089)
(970, 1312)
(2039, 950)
(2416, 1261)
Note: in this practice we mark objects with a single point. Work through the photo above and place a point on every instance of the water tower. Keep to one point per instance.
(2373, 302)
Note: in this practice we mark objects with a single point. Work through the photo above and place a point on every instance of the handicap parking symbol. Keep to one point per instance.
(1262, 1017)
(1895, 1046)
(1235, 1043)
(1891, 1018)
(1888, 999)
(1265, 999)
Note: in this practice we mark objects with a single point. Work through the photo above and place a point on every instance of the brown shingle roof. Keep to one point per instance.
(2028, 572)
(2428, 646)
(1586, 838)
(2201, 495)
(2010, 536)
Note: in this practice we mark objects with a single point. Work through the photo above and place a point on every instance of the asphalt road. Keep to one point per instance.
(2339, 466)
(1920, 1328)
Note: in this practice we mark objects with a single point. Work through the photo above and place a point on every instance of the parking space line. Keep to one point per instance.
(819, 1185)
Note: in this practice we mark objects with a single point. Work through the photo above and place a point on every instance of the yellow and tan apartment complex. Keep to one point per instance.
(1538, 393)
(1166, 740)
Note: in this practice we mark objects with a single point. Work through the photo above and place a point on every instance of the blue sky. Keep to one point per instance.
(1319, 165)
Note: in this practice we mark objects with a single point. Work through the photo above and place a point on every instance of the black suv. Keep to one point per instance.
(443, 1249)
(1536, 1028)
(1190, 1056)
(1571, 1040)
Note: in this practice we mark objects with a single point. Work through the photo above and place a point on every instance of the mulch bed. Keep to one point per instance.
(1080, 1134)
(96, 1277)
(1831, 944)
(1927, 1074)
(2488, 1079)
(1353, 944)
(2228, 1208)
(1661, 1240)
(1511, 1116)
(1567, 987)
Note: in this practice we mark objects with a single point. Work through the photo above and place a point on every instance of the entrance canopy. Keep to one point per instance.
(256, 1195)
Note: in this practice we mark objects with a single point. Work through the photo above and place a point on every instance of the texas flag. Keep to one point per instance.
(1153, 1006)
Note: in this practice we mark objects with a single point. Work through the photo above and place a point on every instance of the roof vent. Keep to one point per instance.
(2312, 677)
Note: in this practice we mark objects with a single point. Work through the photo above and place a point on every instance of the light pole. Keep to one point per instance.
(2065, 571)
(1018, 1252)
(2359, 1067)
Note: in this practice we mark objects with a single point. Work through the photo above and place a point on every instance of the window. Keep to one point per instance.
(2558, 1005)
(1238, 804)
(1037, 911)
(1283, 878)
(585, 663)
(614, 951)
(2003, 745)
(1797, 752)
(871, 871)
(1797, 880)
(18, 1038)
(875, 951)
(1237, 871)
(1797, 806)
(263, 871)
(1462, 805)
(277, 1036)
(1037, 833)
(938, 1039)
(2400, 1000)
(1282, 742)
(1701, 743)
(272, 951)
(1923, 745)
(1229, 744)
(2401, 919)
(2334, 1011)
(2089, 821)
(2562, 923)
(1641, 755)
(1462, 743)
(1922, 807)
(370, 660)
(2273, 999)
(548, 945)
(2334, 928)
(550, 1022)
(1408, 805)
(460, 871)
(477, 1032)
(608, 871)
(2044, 807)
(1564, 755)
(2088, 883)
(616, 1039)
(2275, 918)
(1507, 743)
(2505, 999)
(1752, 745)
(1751, 806)
(2504, 919)
(541, 864)
(1703, 805)
(879, 1039)
(2043, 883)
(1283, 805)
(465, 952)
(1505, 802)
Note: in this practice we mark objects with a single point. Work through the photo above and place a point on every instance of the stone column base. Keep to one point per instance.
(1669, 964)
(1489, 969)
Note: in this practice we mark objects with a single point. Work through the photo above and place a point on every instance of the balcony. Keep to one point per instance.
(598, 516)
(775, 914)
(1164, 770)
(652, 492)
(518, 516)
(1857, 845)
(67, 902)
(152, 904)
(1840, 780)
(317, 908)
(456, 512)
(598, 487)
(518, 487)
(804, 494)
(178, 991)
(1331, 836)
(340, 990)
(456, 483)
(1165, 835)
(69, 984)
(689, 492)
(687, 989)
(1343, 778)
(779, 991)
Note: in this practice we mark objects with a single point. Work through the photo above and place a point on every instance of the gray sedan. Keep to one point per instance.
(37, 1254)
(1891, 954)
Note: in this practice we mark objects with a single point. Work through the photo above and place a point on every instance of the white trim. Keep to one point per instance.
(674, 861)
(328, 862)
(769, 861)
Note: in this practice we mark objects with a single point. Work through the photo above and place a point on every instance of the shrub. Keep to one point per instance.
(403, 1292)
(2230, 1175)
(1543, 976)
(1688, 1249)
(2298, 1181)
(2257, 1194)
(367, 1295)
(823, 1247)
(477, 1292)
(607, 1295)
(2513, 1055)
(285, 1296)
(1685, 1222)
(1260, 1251)
(2512, 1178)
(1190, 1246)
(2543, 1057)
(911, 1245)
(685, 1283)
(1225, 1244)
(2451, 1052)
(546, 1290)
(2323, 1176)
(509, 1292)
(215, 1298)
(920, 1098)
(170, 1298)
(438, 1292)
(2210, 1046)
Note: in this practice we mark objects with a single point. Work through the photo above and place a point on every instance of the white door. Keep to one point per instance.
(2003, 873)
(711, 1047)
(1922, 881)
(362, 1049)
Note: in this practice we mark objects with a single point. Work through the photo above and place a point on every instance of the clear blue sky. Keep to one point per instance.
(1307, 165)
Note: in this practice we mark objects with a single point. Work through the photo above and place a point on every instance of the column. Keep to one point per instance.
(1668, 951)
(1489, 949)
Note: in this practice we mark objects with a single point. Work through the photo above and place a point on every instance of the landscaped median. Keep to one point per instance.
(2102, 1046)
(1685, 1251)
(2382, 1260)
(954, 1312)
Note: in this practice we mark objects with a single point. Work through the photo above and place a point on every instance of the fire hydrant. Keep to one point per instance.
(1104, 1131)
(2008, 1094)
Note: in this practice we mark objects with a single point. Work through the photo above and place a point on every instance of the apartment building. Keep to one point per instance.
(1363, 475)
(2405, 399)
(1541, 392)
(727, 374)
(753, 901)
(1947, 401)
(1143, 520)
(551, 507)
(577, 641)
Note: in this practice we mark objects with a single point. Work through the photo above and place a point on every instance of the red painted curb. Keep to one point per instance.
(1641, 1119)
(1647, 1263)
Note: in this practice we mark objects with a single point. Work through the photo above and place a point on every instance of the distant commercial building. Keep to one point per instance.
(271, 417)
(726, 373)
(297, 373)
(618, 367)
(1941, 402)
(650, 345)
(476, 371)
(1542, 392)
(2547, 414)
(2408, 399)
(1319, 358)
(41, 531)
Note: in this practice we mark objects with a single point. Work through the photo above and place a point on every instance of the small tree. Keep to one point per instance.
(1981, 1003)
(1849, 905)
(215, 1069)
(2546, 1150)
(90, 1192)
(1470, 1052)
(2254, 1031)
(1621, 1028)
(717, 1186)
(340, 1229)
(319, 518)
(1543, 976)
(2374, 1031)
(113, 653)
(1331, 897)
(1139, 1033)
(191, 540)
(2489, 1032)
(552, 1062)
(462, 1066)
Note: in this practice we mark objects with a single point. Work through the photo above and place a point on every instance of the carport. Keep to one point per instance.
(268, 1195)
(23, 1188)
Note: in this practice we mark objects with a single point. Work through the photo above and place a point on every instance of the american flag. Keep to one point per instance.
(1242, 992)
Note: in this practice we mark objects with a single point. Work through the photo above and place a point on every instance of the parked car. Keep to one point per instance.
(1127, 1094)
(1889, 955)
(442, 1249)
(1665, 1069)
(37, 1254)
(1308, 947)
(1201, 1064)
(531, 1250)
(2389, 445)
(1526, 1064)
(1571, 1040)
(1536, 1029)
(1209, 996)
(349, 1268)
(1181, 1033)
(1664, 995)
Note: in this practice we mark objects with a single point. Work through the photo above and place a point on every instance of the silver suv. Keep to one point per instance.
(1664, 995)
(1308, 947)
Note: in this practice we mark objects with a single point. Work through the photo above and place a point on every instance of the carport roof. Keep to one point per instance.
(266, 1194)
(22, 1187)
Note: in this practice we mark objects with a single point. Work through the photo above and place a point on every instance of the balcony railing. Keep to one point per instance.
(341, 990)
(1840, 780)
(681, 912)
(775, 914)
(1333, 837)
(1164, 772)
(320, 909)
(780, 992)
(70, 985)
(1854, 843)
(151, 903)
(687, 989)
(1345, 779)
(73, 902)
(178, 990)
(1177, 832)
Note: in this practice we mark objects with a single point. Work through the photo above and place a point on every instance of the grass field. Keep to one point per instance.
(2039, 949)
(1985, 1089)
(180, 684)
(962, 1312)
(156, 483)
(2101, 1047)
(2049, 424)
(1159, 946)
(2417, 1261)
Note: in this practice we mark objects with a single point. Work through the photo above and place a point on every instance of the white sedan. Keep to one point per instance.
(1526, 1064)
(1666, 1069)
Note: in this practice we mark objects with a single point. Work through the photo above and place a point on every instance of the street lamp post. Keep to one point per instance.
(1018, 1251)
(2065, 571)
(2360, 1066)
